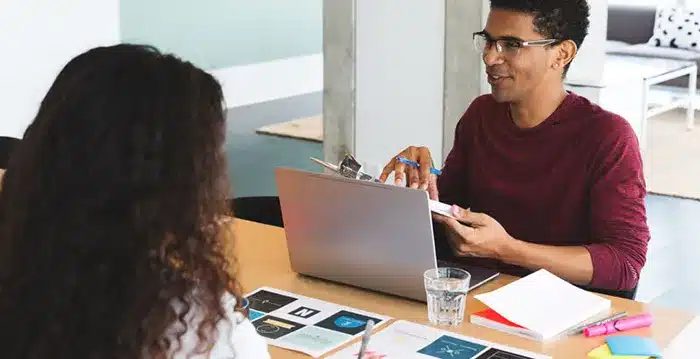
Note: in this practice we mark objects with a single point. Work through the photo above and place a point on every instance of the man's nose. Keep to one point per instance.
(491, 56)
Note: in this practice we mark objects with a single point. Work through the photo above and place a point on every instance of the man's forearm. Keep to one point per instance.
(572, 263)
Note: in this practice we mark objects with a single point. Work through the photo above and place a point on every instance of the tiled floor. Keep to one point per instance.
(671, 277)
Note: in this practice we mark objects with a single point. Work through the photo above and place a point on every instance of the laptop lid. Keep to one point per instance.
(371, 235)
(365, 234)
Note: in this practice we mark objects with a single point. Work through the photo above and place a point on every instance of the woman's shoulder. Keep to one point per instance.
(237, 337)
(245, 342)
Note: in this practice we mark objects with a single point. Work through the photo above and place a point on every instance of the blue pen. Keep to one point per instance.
(434, 171)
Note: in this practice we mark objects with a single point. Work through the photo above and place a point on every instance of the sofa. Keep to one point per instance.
(630, 28)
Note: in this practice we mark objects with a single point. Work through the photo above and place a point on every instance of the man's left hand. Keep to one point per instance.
(483, 238)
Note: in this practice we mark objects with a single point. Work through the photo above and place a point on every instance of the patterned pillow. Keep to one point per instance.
(677, 27)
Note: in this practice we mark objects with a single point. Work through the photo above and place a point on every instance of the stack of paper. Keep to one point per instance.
(603, 352)
(626, 347)
(540, 306)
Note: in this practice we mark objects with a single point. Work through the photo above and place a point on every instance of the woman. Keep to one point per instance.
(7, 144)
(111, 240)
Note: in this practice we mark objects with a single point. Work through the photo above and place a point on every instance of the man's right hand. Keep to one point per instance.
(415, 177)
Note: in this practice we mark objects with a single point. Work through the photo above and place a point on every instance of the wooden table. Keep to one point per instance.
(261, 255)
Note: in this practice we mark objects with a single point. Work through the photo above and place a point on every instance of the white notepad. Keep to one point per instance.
(545, 304)
(441, 208)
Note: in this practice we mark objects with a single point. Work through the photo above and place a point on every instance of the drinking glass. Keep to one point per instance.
(446, 289)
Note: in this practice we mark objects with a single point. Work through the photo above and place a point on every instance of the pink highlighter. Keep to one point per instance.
(638, 321)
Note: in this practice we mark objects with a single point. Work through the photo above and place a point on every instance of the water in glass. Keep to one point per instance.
(446, 290)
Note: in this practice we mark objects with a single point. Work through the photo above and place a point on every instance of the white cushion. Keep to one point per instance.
(676, 27)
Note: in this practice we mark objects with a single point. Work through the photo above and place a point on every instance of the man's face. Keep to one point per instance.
(515, 72)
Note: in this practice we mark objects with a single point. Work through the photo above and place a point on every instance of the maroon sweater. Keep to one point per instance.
(574, 180)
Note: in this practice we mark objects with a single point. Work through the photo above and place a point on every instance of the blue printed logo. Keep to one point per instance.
(254, 314)
(347, 322)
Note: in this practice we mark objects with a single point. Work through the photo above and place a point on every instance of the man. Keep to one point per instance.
(549, 179)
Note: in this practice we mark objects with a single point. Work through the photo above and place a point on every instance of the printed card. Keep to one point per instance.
(307, 325)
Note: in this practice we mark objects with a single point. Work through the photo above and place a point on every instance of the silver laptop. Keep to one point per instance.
(370, 235)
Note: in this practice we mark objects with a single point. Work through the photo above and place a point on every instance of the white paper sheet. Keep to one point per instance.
(684, 344)
(407, 340)
(304, 324)
(544, 303)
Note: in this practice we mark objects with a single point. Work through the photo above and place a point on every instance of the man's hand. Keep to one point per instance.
(483, 238)
(415, 177)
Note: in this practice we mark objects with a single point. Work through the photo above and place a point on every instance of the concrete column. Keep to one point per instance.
(397, 73)
(338, 78)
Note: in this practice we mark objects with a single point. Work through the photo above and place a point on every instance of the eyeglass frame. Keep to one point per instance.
(522, 43)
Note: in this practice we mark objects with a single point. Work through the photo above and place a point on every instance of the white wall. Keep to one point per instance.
(587, 67)
(37, 38)
(271, 80)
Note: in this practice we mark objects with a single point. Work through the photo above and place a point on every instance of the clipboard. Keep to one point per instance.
(346, 171)
(440, 208)
(330, 166)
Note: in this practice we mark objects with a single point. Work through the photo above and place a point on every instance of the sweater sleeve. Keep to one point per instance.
(619, 229)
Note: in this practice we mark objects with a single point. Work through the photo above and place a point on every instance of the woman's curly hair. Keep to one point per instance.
(110, 211)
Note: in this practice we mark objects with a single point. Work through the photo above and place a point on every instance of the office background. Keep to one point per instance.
(260, 51)
(217, 34)
(267, 54)
(251, 46)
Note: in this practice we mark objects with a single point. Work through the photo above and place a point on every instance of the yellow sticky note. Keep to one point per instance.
(603, 352)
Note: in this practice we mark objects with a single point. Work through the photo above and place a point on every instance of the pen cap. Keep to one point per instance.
(638, 321)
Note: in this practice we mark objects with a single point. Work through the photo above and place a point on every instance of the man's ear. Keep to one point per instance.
(566, 52)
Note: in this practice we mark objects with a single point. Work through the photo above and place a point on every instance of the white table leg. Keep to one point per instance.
(692, 90)
(645, 115)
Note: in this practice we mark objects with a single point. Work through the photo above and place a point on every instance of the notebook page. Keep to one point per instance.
(544, 303)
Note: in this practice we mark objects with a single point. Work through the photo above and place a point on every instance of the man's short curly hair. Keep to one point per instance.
(556, 19)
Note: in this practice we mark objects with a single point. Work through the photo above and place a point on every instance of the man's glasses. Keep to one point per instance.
(507, 47)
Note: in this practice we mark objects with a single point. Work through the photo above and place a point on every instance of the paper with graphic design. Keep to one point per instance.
(304, 324)
(407, 340)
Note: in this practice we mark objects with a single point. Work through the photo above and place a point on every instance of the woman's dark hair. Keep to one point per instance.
(110, 211)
